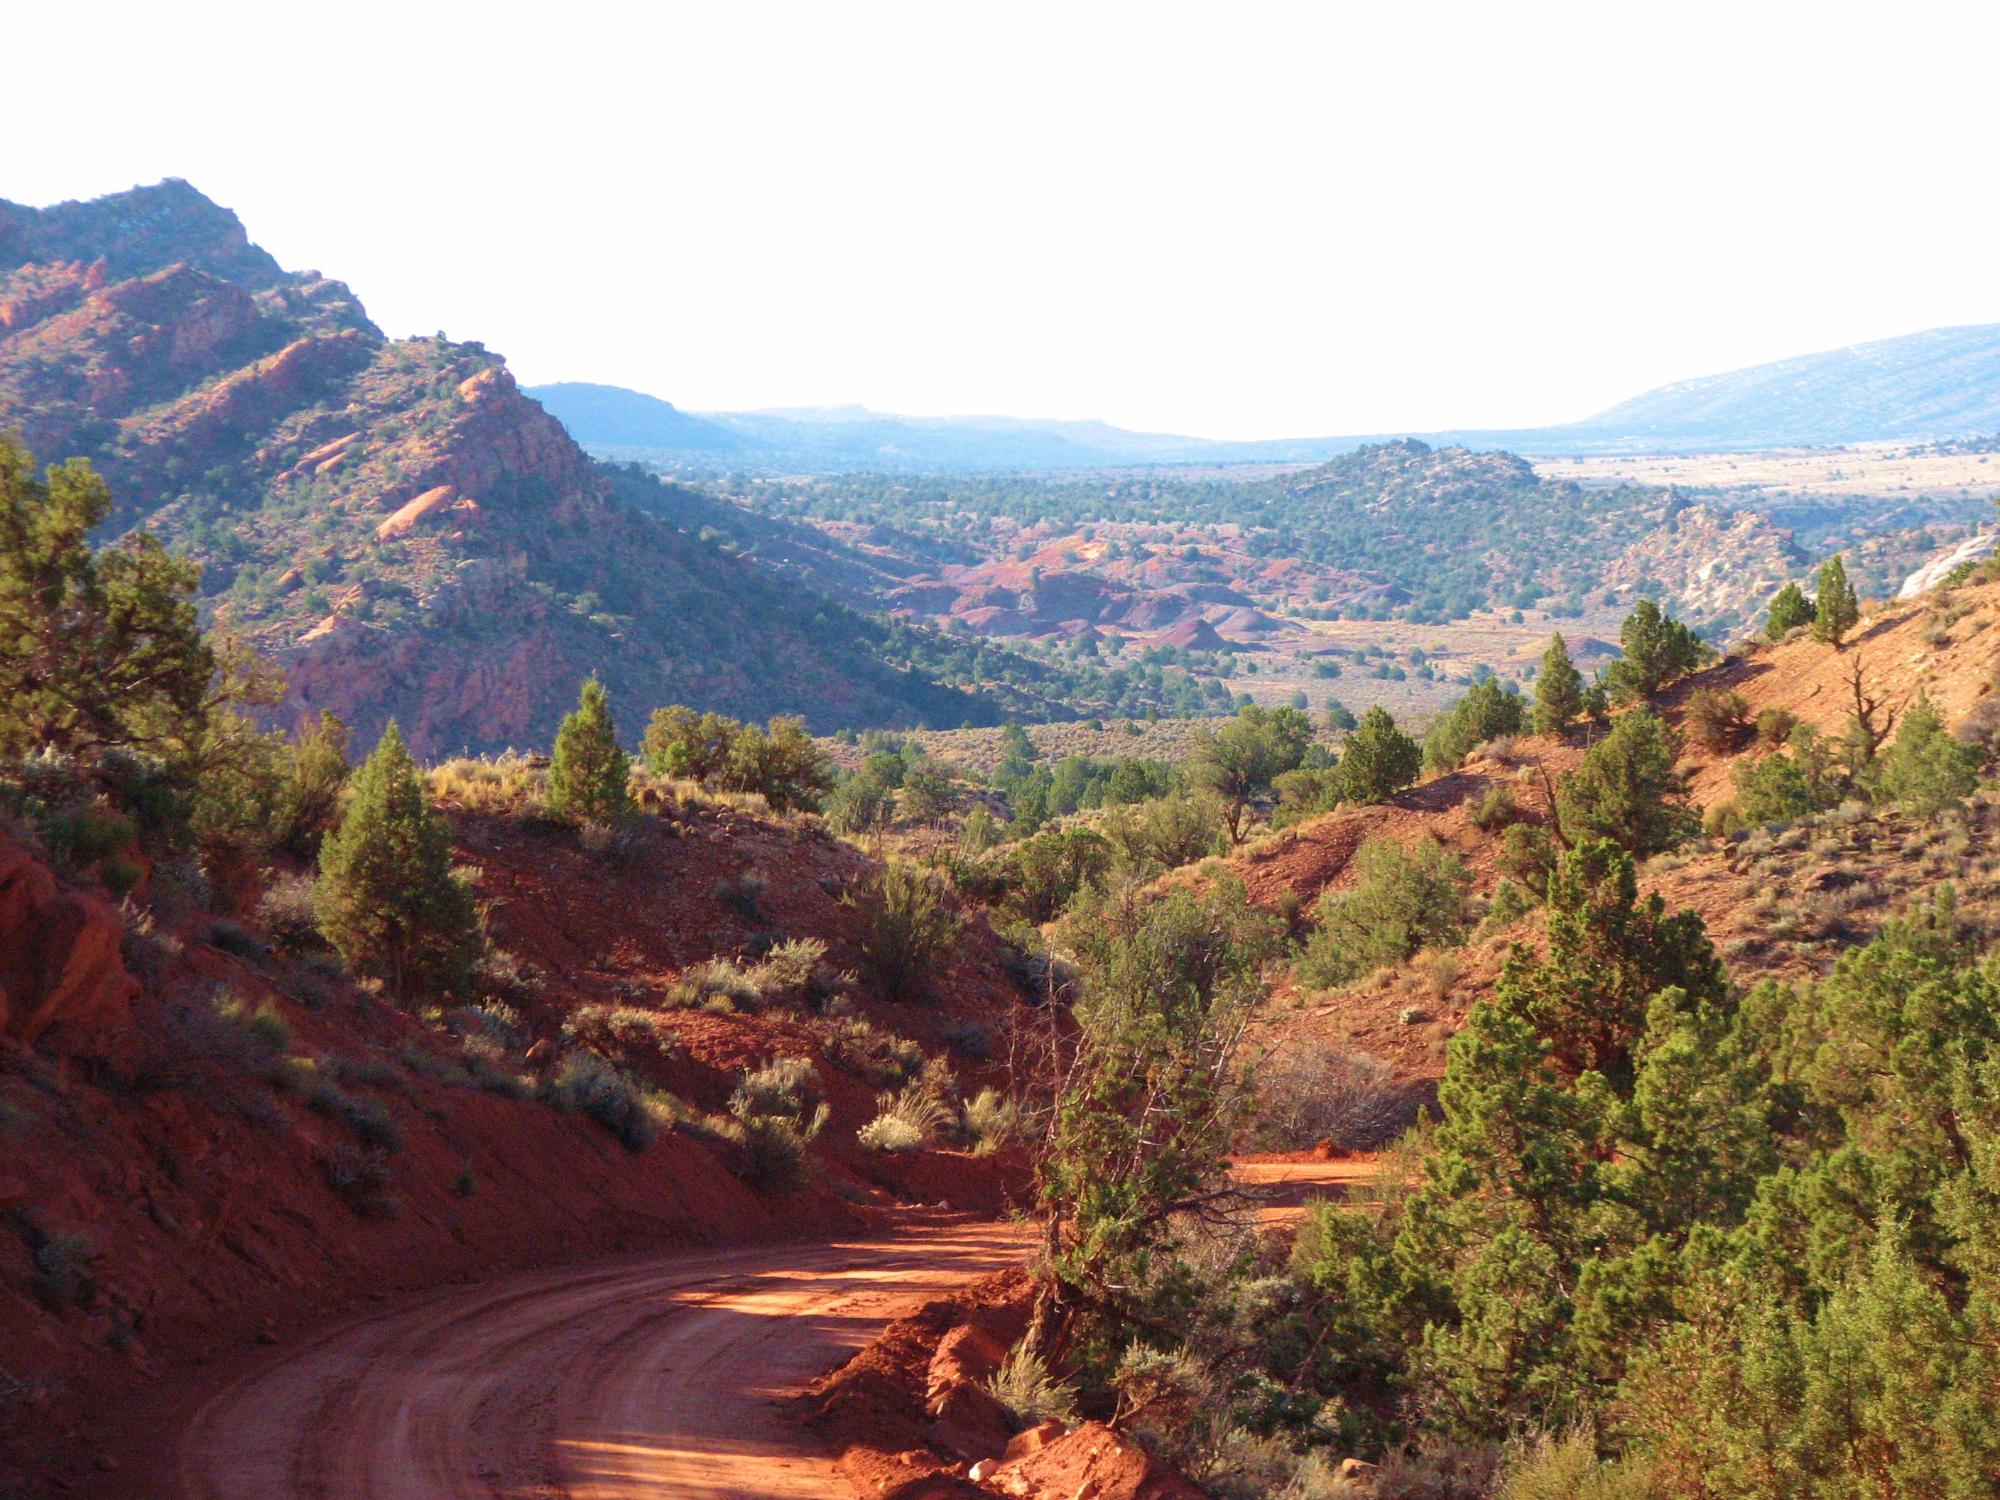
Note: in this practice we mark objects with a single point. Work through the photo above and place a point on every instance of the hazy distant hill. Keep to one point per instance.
(1940, 384)
(608, 418)
(626, 424)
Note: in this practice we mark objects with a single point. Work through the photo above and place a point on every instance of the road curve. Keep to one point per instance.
(644, 1377)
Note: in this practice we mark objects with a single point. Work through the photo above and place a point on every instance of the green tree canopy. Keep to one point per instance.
(1401, 900)
(98, 650)
(589, 774)
(1377, 760)
(1836, 609)
(1484, 713)
(1925, 770)
(1790, 608)
(1558, 689)
(1658, 649)
(1627, 790)
(387, 898)
(1241, 760)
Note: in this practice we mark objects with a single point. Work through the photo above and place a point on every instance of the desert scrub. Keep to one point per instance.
(1030, 1393)
(796, 970)
(286, 912)
(1314, 1092)
(363, 1180)
(1495, 810)
(719, 986)
(586, 1084)
(911, 928)
(627, 1028)
(744, 894)
(971, 1038)
(1507, 905)
(867, 1051)
(264, 1029)
(62, 1271)
(777, 1113)
(905, 1119)
(1402, 900)
(990, 1119)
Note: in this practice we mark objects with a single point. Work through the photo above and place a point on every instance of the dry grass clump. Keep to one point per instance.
(990, 1119)
(504, 786)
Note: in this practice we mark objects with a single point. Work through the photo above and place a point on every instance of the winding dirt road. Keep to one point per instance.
(633, 1379)
(653, 1376)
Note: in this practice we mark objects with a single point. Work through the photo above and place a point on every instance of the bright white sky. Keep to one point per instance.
(1233, 220)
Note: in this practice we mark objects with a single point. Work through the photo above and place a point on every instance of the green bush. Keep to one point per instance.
(1627, 790)
(911, 928)
(1925, 770)
(1401, 900)
(1484, 713)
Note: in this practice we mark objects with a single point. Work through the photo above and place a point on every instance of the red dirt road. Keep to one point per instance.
(643, 1376)
(650, 1376)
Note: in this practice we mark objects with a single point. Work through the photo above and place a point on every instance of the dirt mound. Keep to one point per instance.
(910, 1416)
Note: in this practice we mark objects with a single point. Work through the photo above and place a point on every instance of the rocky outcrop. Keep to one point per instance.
(1714, 566)
(1931, 574)
(62, 977)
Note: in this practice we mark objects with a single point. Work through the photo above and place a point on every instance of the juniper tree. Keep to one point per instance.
(1241, 760)
(387, 898)
(589, 773)
(1836, 610)
(1790, 608)
(1559, 698)
(1925, 770)
(1377, 760)
(1626, 790)
(1658, 648)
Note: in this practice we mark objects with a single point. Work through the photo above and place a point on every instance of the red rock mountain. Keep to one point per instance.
(393, 520)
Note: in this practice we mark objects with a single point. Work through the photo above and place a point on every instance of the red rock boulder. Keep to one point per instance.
(60, 964)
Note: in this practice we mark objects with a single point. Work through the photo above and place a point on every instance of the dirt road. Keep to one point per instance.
(655, 1376)
(645, 1377)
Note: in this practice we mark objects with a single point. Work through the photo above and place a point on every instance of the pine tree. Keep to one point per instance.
(1790, 608)
(98, 650)
(387, 898)
(1558, 689)
(588, 774)
(1837, 609)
